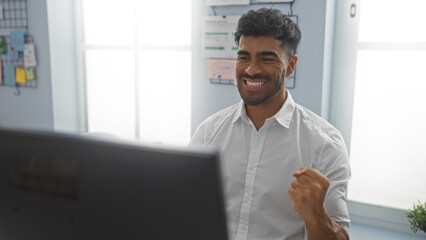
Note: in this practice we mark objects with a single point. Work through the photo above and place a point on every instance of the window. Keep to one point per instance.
(388, 131)
(136, 61)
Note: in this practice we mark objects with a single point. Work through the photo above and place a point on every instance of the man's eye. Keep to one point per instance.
(243, 58)
(267, 59)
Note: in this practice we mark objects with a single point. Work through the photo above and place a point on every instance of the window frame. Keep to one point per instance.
(81, 63)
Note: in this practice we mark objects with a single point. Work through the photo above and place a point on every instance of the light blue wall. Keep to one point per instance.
(33, 107)
(55, 52)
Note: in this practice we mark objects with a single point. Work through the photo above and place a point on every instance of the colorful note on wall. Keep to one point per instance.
(29, 55)
(29, 73)
(12, 54)
(221, 69)
(20, 75)
(17, 40)
(218, 41)
(3, 49)
(9, 74)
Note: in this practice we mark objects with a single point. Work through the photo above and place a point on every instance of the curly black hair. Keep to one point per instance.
(270, 22)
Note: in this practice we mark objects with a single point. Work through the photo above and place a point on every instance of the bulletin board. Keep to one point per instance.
(13, 14)
(17, 49)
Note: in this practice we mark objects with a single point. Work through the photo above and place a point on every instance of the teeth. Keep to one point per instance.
(255, 84)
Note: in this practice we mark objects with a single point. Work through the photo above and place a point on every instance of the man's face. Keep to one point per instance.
(261, 69)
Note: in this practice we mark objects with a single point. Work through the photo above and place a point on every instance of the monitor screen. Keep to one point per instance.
(60, 186)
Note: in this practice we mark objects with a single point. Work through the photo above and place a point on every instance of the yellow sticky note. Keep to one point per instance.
(20, 75)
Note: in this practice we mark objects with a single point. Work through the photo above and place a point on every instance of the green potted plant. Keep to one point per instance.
(417, 217)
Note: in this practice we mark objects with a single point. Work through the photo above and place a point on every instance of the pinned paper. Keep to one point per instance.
(3, 49)
(29, 55)
(218, 41)
(20, 75)
(12, 54)
(9, 74)
(17, 40)
(221, 69)
(29, 73)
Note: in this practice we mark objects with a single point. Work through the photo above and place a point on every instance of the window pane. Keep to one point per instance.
(165, 96)
(388, 153)
(159, 25)
(109, 22)
(392, 21)
(110, 92)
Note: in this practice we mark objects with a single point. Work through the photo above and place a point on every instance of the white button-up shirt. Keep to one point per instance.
(257, 168)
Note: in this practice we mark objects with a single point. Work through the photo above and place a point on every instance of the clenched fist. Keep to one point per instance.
(307, 195)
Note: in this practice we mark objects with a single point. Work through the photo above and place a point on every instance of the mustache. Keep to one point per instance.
(256, 76)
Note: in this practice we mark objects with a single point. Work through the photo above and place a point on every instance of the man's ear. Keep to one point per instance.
(291, 65)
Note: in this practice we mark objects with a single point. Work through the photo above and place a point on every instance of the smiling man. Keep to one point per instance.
(285, 170)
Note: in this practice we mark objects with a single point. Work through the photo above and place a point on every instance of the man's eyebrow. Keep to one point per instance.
(242, 52)
(268, 53)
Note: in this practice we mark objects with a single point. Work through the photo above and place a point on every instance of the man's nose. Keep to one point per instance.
(253, 68)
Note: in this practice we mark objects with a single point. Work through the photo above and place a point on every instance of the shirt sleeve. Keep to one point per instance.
(198, 138)
(334, 164)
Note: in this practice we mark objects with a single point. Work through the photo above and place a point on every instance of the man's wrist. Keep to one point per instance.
(322, 227)
(320, 218)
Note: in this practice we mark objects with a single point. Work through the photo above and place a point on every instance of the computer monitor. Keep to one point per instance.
(59, 186)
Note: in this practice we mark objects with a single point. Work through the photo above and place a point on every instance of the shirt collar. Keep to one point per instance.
(241, 113)
(283, 116)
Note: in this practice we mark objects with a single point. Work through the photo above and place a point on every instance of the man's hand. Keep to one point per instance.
(307, 196)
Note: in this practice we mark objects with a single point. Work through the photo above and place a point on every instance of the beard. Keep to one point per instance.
(254, 98)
